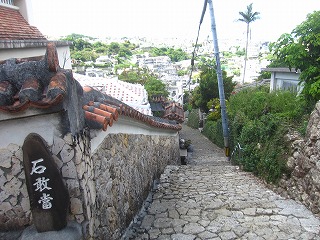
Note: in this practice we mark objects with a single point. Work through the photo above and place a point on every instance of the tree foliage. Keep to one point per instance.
(84, 50)
(136, 75)
(156, 87)
(175, 55)
(248, 15)
(75, 36)
(79, 42)
(208, 86)
(152, 84)
(84, 55)
(300, 50)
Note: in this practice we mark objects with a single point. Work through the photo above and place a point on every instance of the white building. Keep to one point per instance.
(284, 79)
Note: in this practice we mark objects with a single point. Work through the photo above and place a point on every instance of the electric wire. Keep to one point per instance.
(196, 44)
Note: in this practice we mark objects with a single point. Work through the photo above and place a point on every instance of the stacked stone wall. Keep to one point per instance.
(303, 184)
(125, 167)
(14, 201)
(72, 159)
(106, 188)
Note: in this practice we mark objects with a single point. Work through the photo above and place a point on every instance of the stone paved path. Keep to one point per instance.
(210, 199)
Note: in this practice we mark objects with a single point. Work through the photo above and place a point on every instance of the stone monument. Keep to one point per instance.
(49, 197)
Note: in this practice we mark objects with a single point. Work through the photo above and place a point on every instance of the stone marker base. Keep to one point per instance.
(73, 231)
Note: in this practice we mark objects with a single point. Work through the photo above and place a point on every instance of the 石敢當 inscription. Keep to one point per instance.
(49, 197)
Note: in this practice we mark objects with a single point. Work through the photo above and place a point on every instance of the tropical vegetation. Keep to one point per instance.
(300, 51)
(247, 17)
(259, 119)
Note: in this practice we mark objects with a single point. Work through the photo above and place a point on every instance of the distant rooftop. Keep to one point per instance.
(134, 95)
(280, 69)
(9, 2)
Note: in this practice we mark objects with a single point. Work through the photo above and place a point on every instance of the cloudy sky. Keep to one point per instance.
(167, 18)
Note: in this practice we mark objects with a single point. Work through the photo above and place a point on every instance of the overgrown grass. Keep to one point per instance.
(258, 120)
(193, 119)
(213, 131)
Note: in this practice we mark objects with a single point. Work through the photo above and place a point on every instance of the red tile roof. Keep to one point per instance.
(20, 88)
(134, 95)
(174, 112)
(41, 83)
(14, 27)
(104, 109)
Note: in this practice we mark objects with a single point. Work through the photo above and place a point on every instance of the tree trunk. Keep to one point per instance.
(246, 55)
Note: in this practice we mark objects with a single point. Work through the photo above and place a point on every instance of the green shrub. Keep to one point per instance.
(302, 129)
(213, 131)
(256, 102)
(262, 140)
(215, 109)
(187, 107)
(193, 118)
(258, 120)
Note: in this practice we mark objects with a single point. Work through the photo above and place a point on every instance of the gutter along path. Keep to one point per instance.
(211, 199)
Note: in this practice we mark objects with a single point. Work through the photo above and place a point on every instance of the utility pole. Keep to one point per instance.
(224, 116)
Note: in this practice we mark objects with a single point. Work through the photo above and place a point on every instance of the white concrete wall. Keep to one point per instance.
(25, 8)
(64, 57)
(127, 126)
(21, 52)
(278, 78)
(63, 54)
(16, 130)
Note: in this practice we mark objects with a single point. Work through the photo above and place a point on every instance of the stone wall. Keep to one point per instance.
(73, 160)
(14, 201)
(125, 167)
(107, 187)
(304, 182)
(76, 167)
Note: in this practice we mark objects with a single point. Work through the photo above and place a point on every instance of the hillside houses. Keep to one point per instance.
(166, 72)
(170, 72)
(161, 66)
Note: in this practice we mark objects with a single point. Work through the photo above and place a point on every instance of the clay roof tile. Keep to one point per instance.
(14, 27)
(29, 86)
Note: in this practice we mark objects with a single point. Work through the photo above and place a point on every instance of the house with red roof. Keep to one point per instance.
(19, 39)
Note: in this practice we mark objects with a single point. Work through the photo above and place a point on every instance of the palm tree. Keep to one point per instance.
(248, 17)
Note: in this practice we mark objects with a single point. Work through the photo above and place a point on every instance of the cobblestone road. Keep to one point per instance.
(211, 199)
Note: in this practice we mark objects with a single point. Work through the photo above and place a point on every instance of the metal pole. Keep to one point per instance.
(224, 116)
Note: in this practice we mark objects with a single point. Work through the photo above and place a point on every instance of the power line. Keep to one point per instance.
(196, 44)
